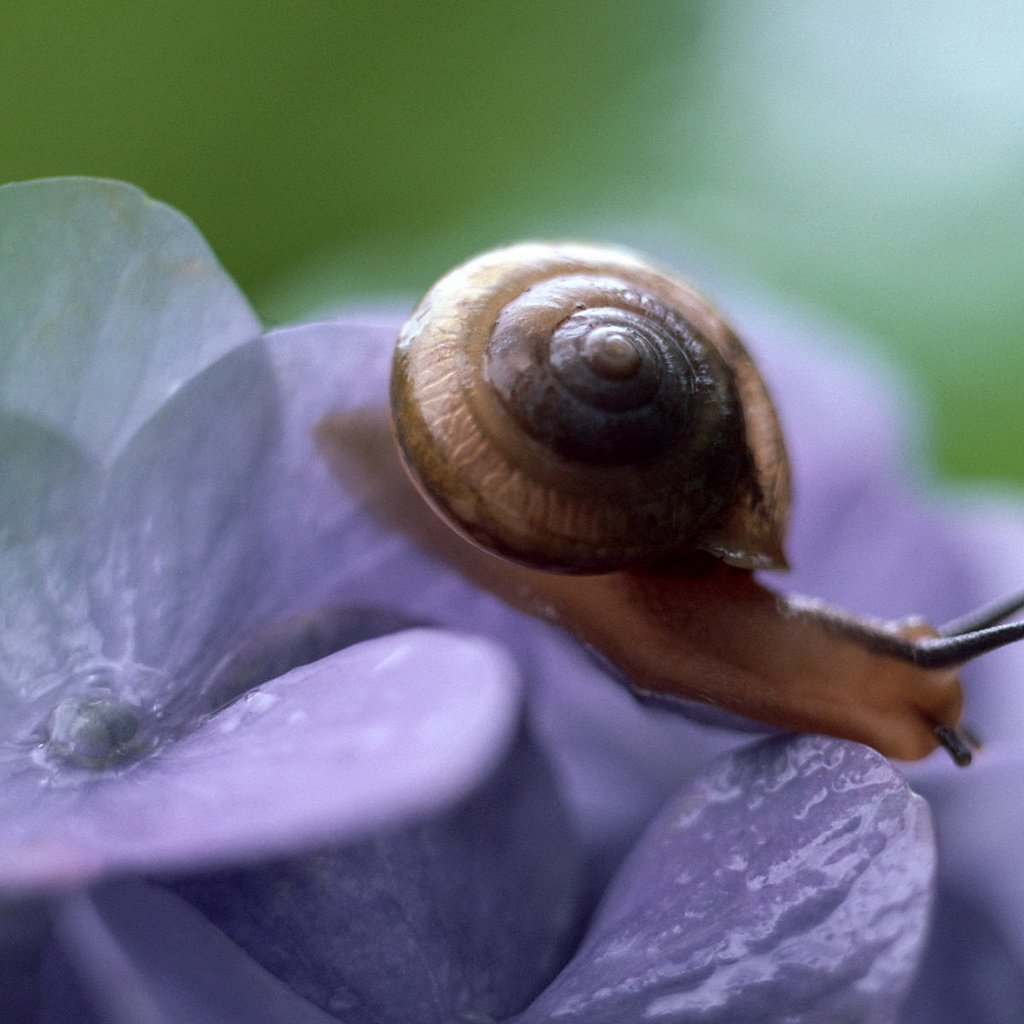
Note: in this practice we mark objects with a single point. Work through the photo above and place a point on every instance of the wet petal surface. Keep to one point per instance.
(378, 735)
(790, 883)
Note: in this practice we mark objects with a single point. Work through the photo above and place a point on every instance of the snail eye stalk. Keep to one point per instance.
(959, 641)
(957, 742)
(950, 651)
(953, 644)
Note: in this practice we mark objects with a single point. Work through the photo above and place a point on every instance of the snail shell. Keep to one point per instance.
(572, 408)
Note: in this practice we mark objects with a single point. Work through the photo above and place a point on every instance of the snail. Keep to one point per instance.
(598, 426)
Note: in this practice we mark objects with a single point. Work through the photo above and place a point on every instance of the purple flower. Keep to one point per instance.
(267, 757)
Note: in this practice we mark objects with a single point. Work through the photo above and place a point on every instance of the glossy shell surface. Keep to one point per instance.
(573, 408)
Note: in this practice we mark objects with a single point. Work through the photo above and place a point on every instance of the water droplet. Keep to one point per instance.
(260, 701)
(92, 729)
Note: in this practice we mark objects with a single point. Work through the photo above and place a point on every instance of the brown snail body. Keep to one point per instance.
(599, 425)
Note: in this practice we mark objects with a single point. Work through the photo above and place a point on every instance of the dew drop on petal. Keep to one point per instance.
(92, 729)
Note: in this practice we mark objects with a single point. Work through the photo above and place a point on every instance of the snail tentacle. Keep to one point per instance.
(981, 618)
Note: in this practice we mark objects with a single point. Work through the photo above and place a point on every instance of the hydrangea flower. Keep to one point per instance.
(265, 758)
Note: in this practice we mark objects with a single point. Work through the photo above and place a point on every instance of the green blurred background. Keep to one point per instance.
(865, 158)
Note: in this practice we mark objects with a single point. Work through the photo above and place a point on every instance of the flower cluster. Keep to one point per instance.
(266, 757)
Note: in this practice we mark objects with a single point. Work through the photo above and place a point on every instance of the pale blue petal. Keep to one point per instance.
(46, 611)
(143, 573)
(108, 303)
(182, 526)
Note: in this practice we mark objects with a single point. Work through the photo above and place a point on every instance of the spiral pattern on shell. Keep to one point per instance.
(572, 408)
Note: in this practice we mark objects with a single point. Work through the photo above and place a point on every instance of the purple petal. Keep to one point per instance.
(990, 543)
(23, 929)
(135, 954)
(790, 882)
(374, 737)
(463, 917)
(868, 537)
(108, 302)
(980, 899)
(865, 534)
(222, 519)
(974, 967)
(969, 971)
